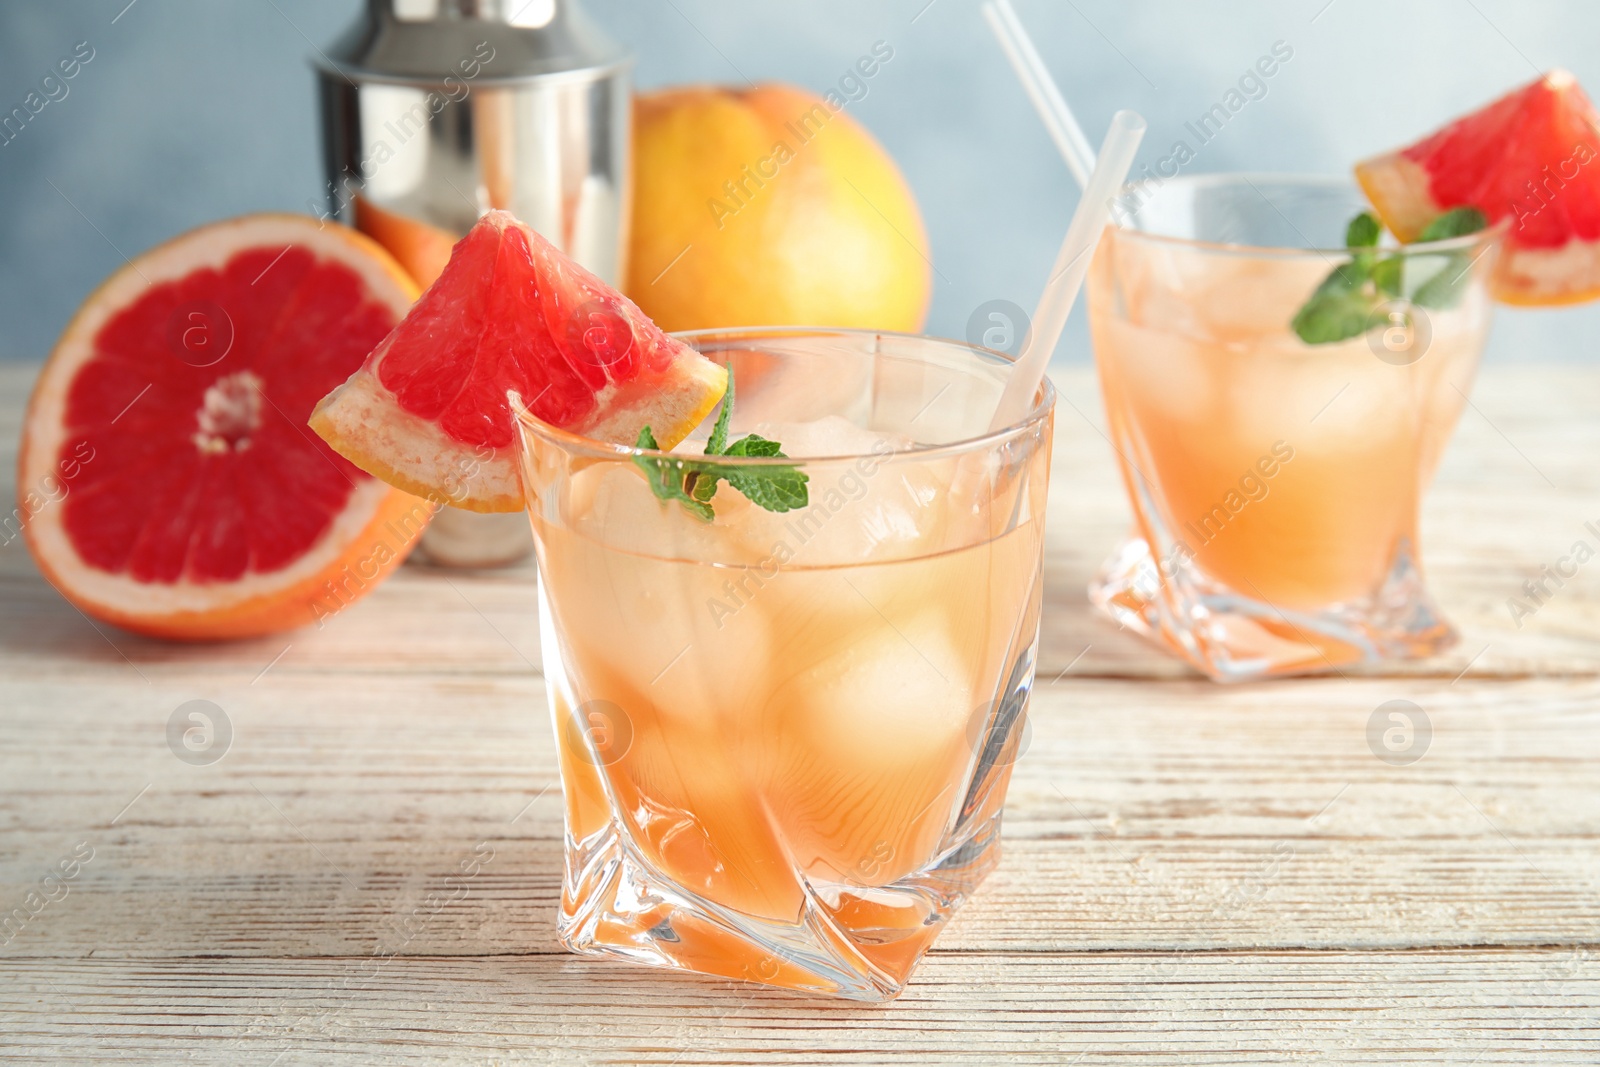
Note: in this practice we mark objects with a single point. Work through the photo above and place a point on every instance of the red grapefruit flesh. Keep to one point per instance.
(1532, 156)
(170, 483)
(428, 411)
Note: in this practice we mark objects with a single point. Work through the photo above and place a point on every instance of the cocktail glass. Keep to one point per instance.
(785, 738)
(1276, 484)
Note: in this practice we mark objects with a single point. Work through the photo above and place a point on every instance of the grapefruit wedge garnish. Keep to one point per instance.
(511, 314)
(1533, 157)
(170, 482)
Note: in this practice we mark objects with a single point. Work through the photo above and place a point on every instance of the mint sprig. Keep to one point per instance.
(1363, 231)
(774, 488)
(668, 477)
(1457, 222)
(1444, 289)
(1351, 299)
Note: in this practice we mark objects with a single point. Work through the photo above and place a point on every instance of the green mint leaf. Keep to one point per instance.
(1346, 303)
(719, 433)
(1334, 316)
(1444, 289)
(701, 485)
(1342, 305)
(667, 477)
(652, 467)
(772, 488)
(1363, 231)
(1457, 222)
(754, 445)
(1387, 275)
(1346, 277)
(694, 484)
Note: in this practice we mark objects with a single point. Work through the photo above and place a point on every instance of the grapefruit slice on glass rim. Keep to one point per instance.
(1532, 156)
(170, 484)
(429, 411)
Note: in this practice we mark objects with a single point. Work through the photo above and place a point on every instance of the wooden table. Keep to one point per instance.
(1193, 873)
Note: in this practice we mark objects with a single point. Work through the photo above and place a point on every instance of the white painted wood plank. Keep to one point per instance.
(1492, 521)
(1469, 1007)
(1237, 829)
(1142, 816)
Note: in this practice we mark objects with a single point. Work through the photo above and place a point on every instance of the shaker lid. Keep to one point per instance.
(430, 40)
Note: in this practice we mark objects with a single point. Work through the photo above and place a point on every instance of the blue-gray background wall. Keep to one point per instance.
(196, 109)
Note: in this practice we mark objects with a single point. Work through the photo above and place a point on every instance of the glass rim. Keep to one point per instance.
(1492, 232)
(574, 443)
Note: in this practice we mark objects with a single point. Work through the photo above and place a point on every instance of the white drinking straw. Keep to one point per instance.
(1072, 265)
(1041, 88)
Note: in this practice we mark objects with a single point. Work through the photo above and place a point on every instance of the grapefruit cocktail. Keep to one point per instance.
(786, 715)
(1281, 377)
(1277, 415)
(789, 593)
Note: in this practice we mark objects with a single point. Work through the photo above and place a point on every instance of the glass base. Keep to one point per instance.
(815, 925)
(849, 941)
(1234, 638)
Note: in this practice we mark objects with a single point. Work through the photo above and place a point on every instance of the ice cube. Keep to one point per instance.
(613, 505)
(642, 586)
(831, 435)
(870, 508)
(874, 745)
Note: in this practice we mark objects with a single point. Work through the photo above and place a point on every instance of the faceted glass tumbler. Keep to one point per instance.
(1275, 483)
(785, 737)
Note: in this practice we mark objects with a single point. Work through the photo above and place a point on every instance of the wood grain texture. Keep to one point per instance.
(1518, 484)
(1192, 873)
(1473, 1007)
(1140, 817)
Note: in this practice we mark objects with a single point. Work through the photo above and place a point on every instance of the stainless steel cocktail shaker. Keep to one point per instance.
(434, 111)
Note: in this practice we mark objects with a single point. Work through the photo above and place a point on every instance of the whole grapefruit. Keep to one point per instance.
(769, 207)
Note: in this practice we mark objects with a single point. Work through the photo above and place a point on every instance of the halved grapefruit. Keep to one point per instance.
(428, 411)
(171, 484)
(1532, 156)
